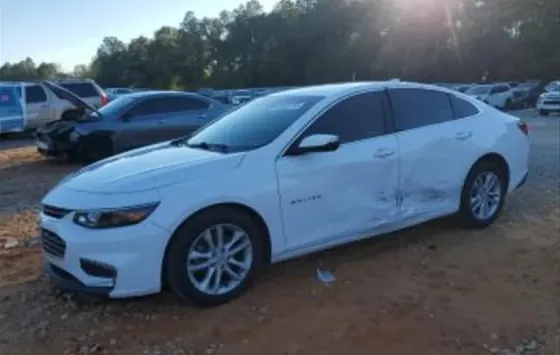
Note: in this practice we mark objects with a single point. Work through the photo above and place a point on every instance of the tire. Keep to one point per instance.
(543, 112)
(186, 282)
(468, 215)
(92, 149)
(507, 105)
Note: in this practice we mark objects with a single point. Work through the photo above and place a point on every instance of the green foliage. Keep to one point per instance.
(315, 41)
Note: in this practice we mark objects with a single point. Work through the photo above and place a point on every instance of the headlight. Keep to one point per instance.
(113, 218)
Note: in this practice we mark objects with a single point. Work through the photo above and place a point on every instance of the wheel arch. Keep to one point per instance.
(252, 213)
(497, 159)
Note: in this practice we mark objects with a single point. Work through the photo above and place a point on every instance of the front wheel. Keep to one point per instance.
(543, 112)
(92, 149)
(214, 256)
(483, 195)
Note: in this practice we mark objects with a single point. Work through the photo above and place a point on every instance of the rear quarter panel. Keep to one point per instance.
(499, 133)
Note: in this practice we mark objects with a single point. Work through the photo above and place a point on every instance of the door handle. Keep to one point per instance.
(202, 115)
(162, 121)
(463, 135)
(383, 153)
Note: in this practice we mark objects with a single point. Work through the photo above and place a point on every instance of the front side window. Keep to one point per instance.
(34, 94)
(355, 118)
(414, 108)
(255, 124)
(146, 107)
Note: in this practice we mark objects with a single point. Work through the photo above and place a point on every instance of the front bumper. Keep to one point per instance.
(118, 262)
(49, 147)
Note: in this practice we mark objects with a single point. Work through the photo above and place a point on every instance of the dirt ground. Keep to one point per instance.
(433, 289)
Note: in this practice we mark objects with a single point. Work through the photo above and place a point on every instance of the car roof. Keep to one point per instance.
(155, 93)
(337, 89)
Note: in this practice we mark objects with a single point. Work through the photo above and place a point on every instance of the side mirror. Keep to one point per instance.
(315, 143)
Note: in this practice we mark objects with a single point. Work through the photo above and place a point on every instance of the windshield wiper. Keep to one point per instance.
(209, 146)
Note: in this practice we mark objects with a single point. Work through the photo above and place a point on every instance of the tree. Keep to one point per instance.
(315, 41)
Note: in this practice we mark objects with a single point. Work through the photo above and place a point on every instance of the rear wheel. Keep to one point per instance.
(214, 256)
(543, 112)
(483, 195)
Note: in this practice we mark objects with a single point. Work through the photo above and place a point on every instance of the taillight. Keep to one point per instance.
(523, 127)
(104, 99)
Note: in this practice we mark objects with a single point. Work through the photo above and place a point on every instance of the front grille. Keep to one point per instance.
(55, 212)
(52, 243)
(551, 102)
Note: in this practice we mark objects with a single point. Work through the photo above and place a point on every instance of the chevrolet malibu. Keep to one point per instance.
(284, 175)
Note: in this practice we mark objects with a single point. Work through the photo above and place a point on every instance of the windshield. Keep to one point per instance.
(254, 124)
(478, 90)
(115, 106)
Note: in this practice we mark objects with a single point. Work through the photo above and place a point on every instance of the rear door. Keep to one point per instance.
(38, 108)
(436, 149)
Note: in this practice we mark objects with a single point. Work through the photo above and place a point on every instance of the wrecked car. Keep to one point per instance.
(131, 121)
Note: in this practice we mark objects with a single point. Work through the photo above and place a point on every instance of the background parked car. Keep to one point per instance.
(128, 122)
(42, 105)
(549, 101)
(498, 95)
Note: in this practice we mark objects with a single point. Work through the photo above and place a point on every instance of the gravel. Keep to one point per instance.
(433, 289)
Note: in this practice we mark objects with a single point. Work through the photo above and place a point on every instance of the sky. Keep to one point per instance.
(68, 32)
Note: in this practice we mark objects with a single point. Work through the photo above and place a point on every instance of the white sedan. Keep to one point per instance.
(285, 175)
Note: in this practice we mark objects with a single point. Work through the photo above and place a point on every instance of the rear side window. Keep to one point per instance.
(34, 94)
(81, 89)
(353, 119)
(414, 108)
(462, 108)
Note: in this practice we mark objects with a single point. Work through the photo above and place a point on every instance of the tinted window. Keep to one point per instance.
(499, 89)
(151, 106)
(355, 118)
(413, 108)
(187, 103)
(34, 94)
(257, 123)
(462, 108)
(80, 89)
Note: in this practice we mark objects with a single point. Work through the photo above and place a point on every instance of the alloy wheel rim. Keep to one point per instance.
(486, 195)
(219, 259)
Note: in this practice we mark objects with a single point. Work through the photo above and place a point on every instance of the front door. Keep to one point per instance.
(143, 124)
(37, 106)
(351, 191)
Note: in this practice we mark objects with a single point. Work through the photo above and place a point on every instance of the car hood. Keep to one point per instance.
(149, 168)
